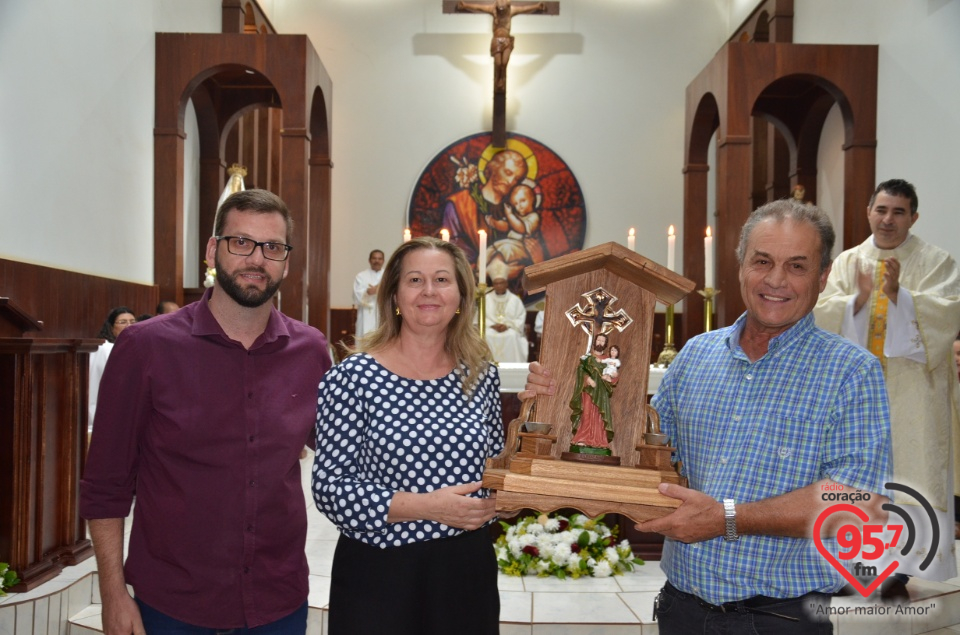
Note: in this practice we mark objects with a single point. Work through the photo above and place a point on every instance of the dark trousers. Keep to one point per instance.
(680, 613)
(434, 587)
(157, 623)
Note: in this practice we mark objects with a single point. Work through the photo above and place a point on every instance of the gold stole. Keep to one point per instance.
(877, 329)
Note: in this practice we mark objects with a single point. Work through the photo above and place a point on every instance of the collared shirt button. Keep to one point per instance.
(784, 452)
(250, 528)
(249, 395)
(251, 438)
(253, 483)
(748, 376)
(723, 461)
(737, 418)
(246, 569)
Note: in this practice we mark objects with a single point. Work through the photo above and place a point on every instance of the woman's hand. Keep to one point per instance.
(451, 506)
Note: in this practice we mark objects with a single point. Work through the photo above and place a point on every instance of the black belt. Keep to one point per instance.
(755, 604)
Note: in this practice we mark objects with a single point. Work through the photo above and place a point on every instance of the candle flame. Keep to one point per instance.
(670, 231)
(482, 232)
(632, 232)
(709, 232)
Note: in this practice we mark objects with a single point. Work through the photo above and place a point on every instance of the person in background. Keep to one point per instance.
(956, 355)
(117, 320)
(365, 287)
(766, 415)
(404, 428)
(956, 499)
(506, 318)
(899, 297)
(202, 419)
(167, 306)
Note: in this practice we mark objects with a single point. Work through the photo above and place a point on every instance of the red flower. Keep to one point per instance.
(564, 524)
(531, 550)
(575, 548)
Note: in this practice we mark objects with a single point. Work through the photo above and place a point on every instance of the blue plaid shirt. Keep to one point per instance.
(814, 407)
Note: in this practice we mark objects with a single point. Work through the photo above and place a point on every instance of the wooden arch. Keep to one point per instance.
(766, 103)
(227, 75)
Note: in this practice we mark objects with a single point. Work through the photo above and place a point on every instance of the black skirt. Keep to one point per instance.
(438, 586)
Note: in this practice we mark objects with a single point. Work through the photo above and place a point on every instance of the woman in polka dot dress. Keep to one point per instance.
(404, 428)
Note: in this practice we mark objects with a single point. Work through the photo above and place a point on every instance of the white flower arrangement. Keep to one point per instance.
(563, 547)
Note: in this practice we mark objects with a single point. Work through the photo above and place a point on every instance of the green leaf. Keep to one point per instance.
(584, 539)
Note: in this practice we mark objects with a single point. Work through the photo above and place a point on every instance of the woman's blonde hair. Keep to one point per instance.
(463, 338)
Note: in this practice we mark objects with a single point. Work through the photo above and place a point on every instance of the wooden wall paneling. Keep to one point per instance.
(343, 322)
(284, 68)
(244, 16)
(276, 124)
(42, 449)
(779, 173)
(320, 228)
(751, 80)
(212, 173)
(70, 304)
(262, 145)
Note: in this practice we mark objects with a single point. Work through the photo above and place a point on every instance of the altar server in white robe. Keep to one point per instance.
(505, 319)
(365, 287)
(899, 297)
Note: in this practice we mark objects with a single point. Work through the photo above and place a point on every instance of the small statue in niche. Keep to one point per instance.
(592, 415)
(799, 194)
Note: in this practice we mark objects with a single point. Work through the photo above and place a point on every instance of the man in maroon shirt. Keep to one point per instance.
(202, 416)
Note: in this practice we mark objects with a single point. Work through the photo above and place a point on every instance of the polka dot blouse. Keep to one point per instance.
(379, 433)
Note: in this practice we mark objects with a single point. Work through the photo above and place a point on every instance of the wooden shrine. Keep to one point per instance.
(612, 291)
(43, 441)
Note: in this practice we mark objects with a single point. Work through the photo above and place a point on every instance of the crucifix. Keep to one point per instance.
(501, 46)
(598, 314)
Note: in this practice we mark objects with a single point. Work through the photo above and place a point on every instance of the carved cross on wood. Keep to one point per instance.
(598, 314)
(501, 46)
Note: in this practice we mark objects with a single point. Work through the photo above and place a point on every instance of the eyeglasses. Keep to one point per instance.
(240, 246)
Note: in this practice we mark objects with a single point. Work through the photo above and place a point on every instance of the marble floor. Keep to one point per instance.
(70, 604)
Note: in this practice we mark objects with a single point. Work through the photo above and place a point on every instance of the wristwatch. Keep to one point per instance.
(730, 520)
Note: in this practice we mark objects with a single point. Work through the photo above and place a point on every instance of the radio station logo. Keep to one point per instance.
(869, 543)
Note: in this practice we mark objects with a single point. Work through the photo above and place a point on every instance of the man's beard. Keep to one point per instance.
(250, 297)
(599, 348)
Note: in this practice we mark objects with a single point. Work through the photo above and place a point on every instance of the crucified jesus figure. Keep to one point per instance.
(502, 43)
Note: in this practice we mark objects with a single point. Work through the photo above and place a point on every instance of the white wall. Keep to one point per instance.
(918, 122)
(602, 84)
(76, 142)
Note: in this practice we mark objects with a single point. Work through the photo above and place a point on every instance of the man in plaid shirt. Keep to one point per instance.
(766, 416)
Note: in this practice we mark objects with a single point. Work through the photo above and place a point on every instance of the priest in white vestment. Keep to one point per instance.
(899, 297)
(365, 287)
(505, 319)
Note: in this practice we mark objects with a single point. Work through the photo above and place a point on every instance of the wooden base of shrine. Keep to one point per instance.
(549, 485)
(593, 459)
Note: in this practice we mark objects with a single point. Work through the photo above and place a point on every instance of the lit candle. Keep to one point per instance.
(708, 259)
(671, 249)
(406, 235)
(482, 258)
(445, 235)
(632, 239)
